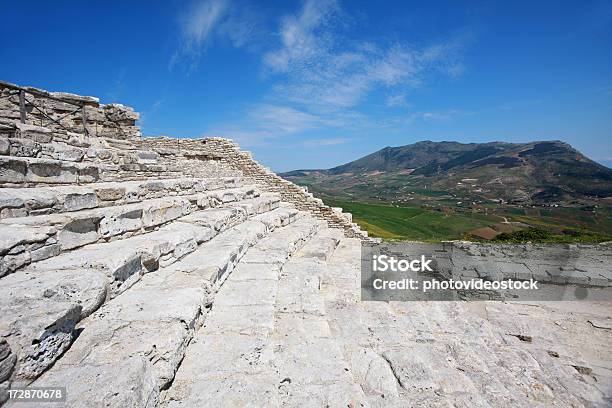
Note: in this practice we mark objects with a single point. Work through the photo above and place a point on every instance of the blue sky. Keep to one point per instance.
(316, 83)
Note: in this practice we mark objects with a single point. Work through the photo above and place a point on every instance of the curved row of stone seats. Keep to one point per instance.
(26, 140)
(34, 238)
(32, 171)
(43, 303)
(34, 155)
(128, 351)
(27, 171)
(262, 339)
(20, 202)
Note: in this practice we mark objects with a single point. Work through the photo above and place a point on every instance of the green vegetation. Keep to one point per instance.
(410, 223)
(420, 224)
(539, 235)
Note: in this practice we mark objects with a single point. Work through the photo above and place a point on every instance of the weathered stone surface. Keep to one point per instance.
(20, 244)
(80, 201)
(155, 320)
(279, 217)
(216, 218)
(39, 133)
(12, 170)
(24, 148)
(153, 214)
(232, 351)
(74, 198)
(264, 203)
(71, 154)
(41, 338)
(457, 353)
(5, 146)
(126, 383)
(7, 360)
(12, 236)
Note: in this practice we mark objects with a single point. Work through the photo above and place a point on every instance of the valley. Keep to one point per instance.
(492, 191)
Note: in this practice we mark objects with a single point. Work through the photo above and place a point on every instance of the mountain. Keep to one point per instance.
(544, 172)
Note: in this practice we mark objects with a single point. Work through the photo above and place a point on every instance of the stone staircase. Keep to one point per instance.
(170, 273)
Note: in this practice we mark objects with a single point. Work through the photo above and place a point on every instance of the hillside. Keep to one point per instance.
(545, 173)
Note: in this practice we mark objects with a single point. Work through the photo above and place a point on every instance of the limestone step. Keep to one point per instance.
(45, 236)
(30, 171)
(146, 330)
(21, 202)
(226, 364)
(45, 300)
(27, 140)
(309, 363)
(267, 202)
(279, 217)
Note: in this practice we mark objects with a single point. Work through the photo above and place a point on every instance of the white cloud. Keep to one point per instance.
(300, 39)
(266, 122)
(325, 142)
(316, 75)
(206, 20)
(197, 24)
(397, 100)
(435, 116)
(320, 78)
(283, 119)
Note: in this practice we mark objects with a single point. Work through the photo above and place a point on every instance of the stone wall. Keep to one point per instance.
(227, 152)
(575, 264)
(65, 112)
(579, 264)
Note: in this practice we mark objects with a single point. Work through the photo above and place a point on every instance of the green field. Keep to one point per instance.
(421, 224)
(410, 223)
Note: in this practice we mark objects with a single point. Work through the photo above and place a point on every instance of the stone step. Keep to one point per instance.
(145, 331)
(28, 140)
(32, 171)
(21, 202)
(58, 292)
(358, 326)
(267, 202)
(309, 363)
(227, 362)
(67, 231)
(279, 217)
(29, 171)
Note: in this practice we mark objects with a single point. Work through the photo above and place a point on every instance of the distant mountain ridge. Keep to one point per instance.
(541, 171)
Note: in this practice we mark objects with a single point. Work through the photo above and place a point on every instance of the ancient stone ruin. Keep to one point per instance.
(161, 272)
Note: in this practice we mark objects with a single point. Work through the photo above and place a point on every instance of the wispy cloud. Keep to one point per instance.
(321, 72)
(206, 20)
(283, 119)
(397, 100)
(301, 40)
(320, 79)
(325, 142)
(432, 116)
(197, 25)
(267, 122)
